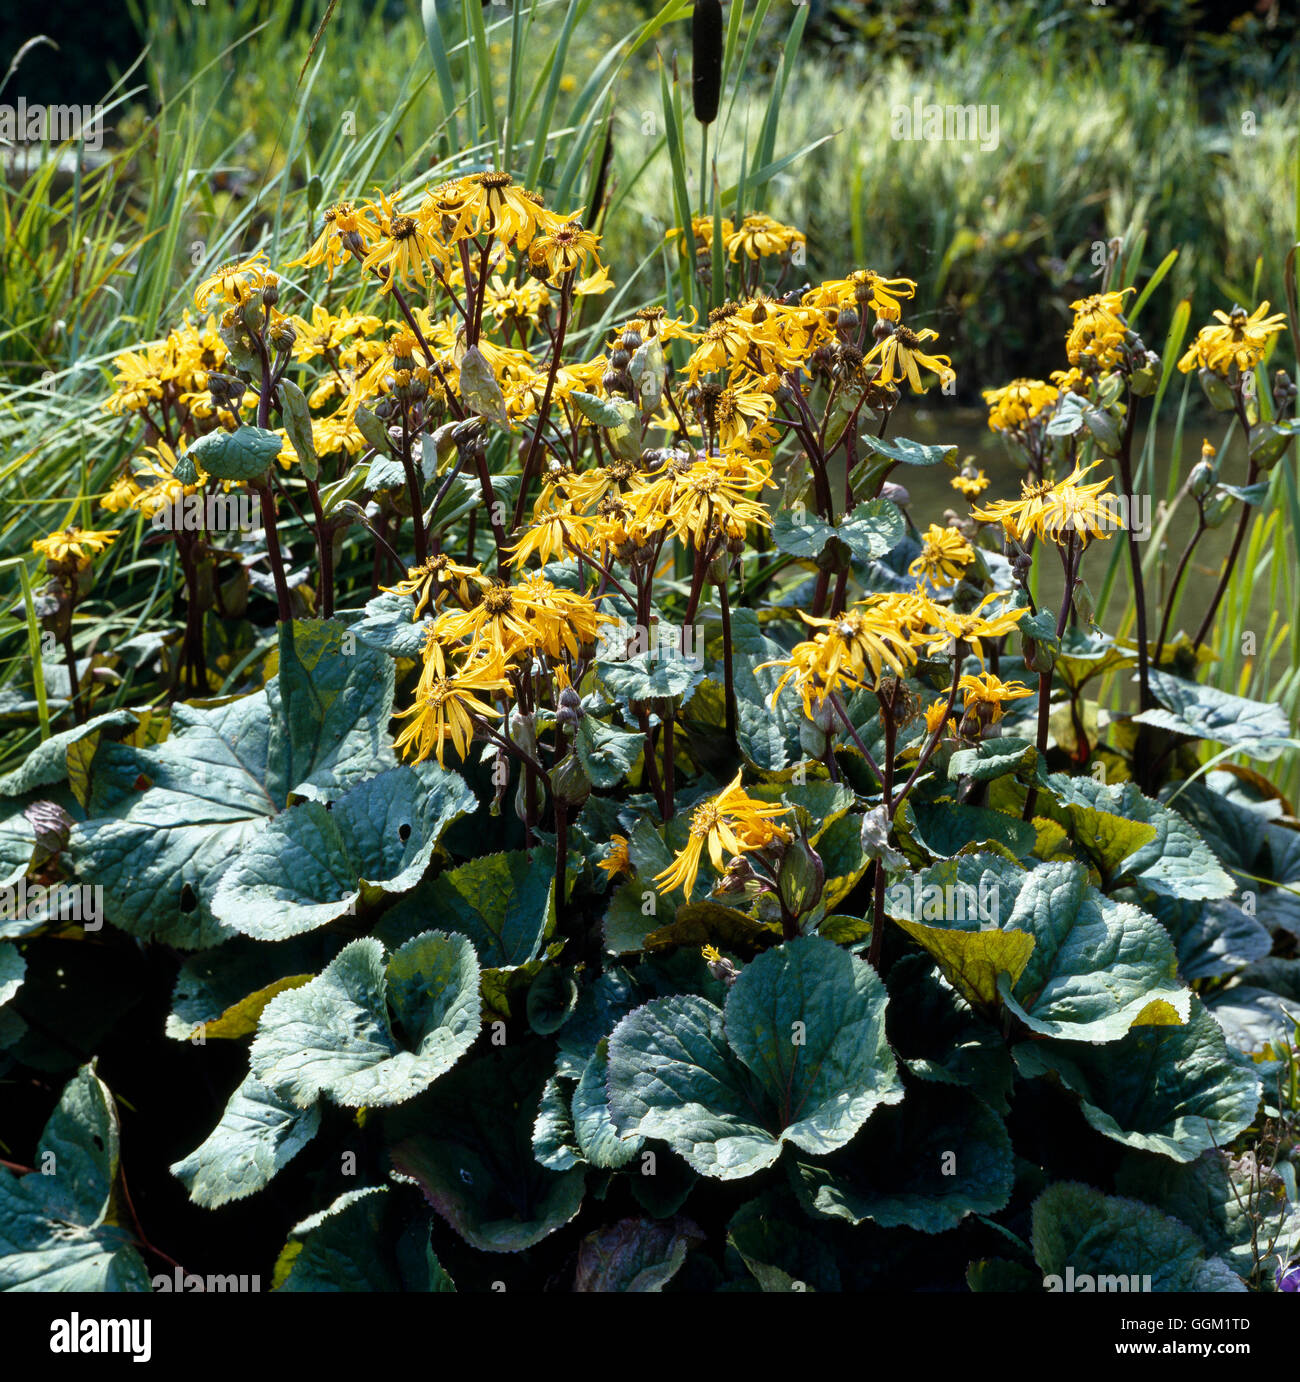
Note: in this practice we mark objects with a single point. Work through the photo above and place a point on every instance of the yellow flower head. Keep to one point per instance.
(970, 485)
(446, 703)
(945, 555)
(1239, 341)
(616, 862)
(236, 282)
(902, 351)
(1014, 406)
(986, 690)
(73, 545)
(730, 823)
(1098, 329)
(1057, 512)
(760, 236)
(564, 248)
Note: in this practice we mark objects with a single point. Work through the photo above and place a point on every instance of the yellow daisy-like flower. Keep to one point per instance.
(760, 236)
(729, 824)
(512, 214)
(341, 226)
(404, 249)
(944, 626)
(435, 579)
(901, 352)
(655, 321)
(987, 690)
(1098, 329)
(235, 282)
(873, 634)
(564, 248)
(934, 715)
(1054, 512)
(970, 485)
(1014, 406)
(73, 544)
(701, 233)
(617, 863)
(945, 555)
(863, 288)
(445, 704)
(1239, 341)
(326, 332)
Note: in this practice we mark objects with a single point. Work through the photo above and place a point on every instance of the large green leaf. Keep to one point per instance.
(1210, 938)
(910, 452)
(313, 864)
(872, 529)
(780, 1248)
(348, 1247)
(258, 1134)
(945, 828)
(651, 675)
(342, 1034)
(12, 969)
(244, 454)
(468, 1144)
(57, 1230)
(1174, 1090)
(1175, 861)
(160, 851)
(1097, 968)
(505, 904)
(798, 1055)
(1113, 1240)
(634, 1254)
(215, 986)
(166, 821)
(389, 625)
(48, 761)
(1256, 728)
(1068, 961)
(1254, 1020)
(938, 1156)
(1218, 1198)
(767, 733)
(598, 1138)
(330, 707)
(939, 1036)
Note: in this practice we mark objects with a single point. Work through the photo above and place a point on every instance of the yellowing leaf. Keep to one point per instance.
(1158, 1013)
(241, 1018)
(973, 960)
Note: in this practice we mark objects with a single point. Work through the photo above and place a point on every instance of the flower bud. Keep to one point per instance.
(569, 781)
(569, 710)
(1217, 509)
(801, 877)
(1268, 445)
(1038, 657)
(1216, 390)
